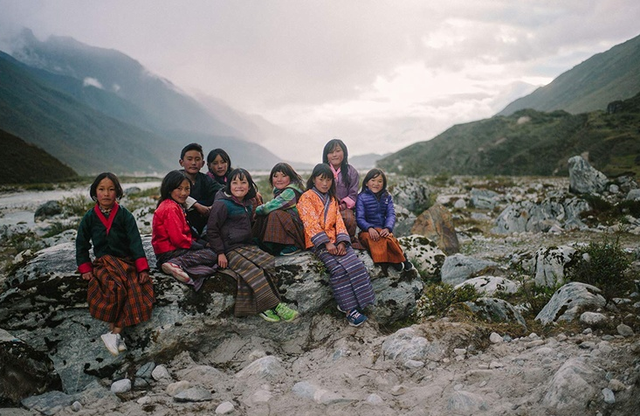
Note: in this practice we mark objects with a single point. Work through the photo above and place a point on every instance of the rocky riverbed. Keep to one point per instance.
(579, 353)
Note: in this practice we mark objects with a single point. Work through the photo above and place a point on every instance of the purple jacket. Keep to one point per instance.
(375, 212)
(348, 195)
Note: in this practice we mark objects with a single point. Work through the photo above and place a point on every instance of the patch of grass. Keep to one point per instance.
(58, 227)
(603, 265)
(438, 298)
(76, 205)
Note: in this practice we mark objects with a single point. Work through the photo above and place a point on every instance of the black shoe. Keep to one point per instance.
(407, 265)
(398, 266)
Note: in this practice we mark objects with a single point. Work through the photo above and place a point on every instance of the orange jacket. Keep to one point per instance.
(322, 221)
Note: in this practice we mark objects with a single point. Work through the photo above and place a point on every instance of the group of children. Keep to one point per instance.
(218, 222)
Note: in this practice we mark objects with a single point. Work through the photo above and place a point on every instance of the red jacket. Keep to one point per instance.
(170, 230)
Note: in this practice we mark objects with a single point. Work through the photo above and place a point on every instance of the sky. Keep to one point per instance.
(378, 74)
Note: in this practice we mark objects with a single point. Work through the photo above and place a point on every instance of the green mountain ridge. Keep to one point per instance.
(529, 142)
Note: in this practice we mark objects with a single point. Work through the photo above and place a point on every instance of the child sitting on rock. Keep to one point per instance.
(229, 234)
(177, 251)
(120, 290)
(376, 216)
(326, 234)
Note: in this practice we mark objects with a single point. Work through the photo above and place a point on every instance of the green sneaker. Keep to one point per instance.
(269, 315)
(286, 313)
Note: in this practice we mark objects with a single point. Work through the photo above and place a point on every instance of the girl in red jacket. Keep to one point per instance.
(177, 252)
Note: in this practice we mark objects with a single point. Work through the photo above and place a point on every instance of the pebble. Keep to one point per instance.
(160, 372)
(496, 364)
(413, 364)
(76, 406)
(374, 399)
(193, 394)
(625, 330)
(224, 408)
(177, 387)
(616, 385)
(398, 390)
(121, 386)
(495, 338)
(608, 395)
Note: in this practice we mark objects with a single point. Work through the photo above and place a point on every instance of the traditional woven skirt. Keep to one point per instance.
(254, 271)
(280, 227)
(349, 279)
(349, 219)
(116, 296)
(385, 250)
(199, 264)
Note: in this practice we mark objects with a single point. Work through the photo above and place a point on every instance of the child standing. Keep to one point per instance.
(376, 217)
(177, 251)
(346, 178)
(229, 234)
(120, 291)
(326, 234)
(203, 188)
(278, 225)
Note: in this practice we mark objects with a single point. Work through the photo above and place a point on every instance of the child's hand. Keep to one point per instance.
(222, 261)
(143, 277)
(331, 248)
(202, 209)
(373, 234)
(341, 249)
(384, 233)
(87, 276)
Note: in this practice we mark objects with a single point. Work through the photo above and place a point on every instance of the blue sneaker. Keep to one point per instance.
(289, 250)
(355, 318)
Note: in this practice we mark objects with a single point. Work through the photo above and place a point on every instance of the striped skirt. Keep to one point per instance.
(199, 264)
(116, 296)
(349, 279)
(254, 271)
(349, 219)
(385, 250)
(280, 227)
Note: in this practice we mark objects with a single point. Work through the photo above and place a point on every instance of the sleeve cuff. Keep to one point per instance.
(190, 202)
(320, 239)
(350, 203)
(142, 264)
(85, 268)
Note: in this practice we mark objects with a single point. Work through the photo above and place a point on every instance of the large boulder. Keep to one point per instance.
(458, 268)
(529, 216)
(550, 265)
(411, 193)
(484, 198)
(44, 305)
(570, 301)
(584, 178)
(436, 223)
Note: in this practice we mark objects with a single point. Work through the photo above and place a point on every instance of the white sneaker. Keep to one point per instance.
(175, 271)
(121, 345)
(111, 342)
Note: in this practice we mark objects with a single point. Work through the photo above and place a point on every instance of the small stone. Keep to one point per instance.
(144, 400)
(175, 388)
(616, 385)
(495, 338)
(398, 390)
(459, 351)
(76, 406)
(224, 408)
(587, 345)
(413, 364)
(496, 364)
(625, 330)
(374, 399)
(194, 394)
(587, 331)
(608, 395)
(121, 386)
(160, 372)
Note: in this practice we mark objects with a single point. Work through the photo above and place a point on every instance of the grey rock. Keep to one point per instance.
(411, 193)
(528, 216)
(194, 394)
(569, 300)
(466, 403)
(484, 198)
(268, 367)
(225, 408)
(633, 195)
(625, 330)
(425, 254)
(585, 179)
(496, 310)
(495, 338)
(550, 265)
(593, 318)
(47, 210)
(608, 396)
(571, 387)
(48, 403)
(160, 373)
(458, 268)
(121, 386)
(489, 285)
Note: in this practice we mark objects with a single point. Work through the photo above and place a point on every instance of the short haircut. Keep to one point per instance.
(242, 174)
(374, 173)
(322, 170)
(288, 170)
(189, 147)
(105, 175)
(171, 181)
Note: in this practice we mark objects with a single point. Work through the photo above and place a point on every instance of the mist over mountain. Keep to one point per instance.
(589, 86)
(98, 109)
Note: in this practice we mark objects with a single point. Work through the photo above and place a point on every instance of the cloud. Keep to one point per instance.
(92, 82)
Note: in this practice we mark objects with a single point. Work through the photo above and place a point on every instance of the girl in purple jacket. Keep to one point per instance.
(376, 217)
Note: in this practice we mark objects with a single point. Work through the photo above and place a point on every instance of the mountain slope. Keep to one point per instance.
(41, 166)
(529, 143)
(591, 85)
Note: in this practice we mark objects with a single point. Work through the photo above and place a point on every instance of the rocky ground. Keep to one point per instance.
(457, 363)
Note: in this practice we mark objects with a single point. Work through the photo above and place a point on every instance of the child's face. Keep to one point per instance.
(218, 166)
(239, 187)
(335, 156)
(181, 193)
(322, 183)
(280, 180)
(106, 193)
(375, 184)
(192, 162)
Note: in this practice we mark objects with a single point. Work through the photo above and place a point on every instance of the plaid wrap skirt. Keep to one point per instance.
(280, 227)
(349, 279)
(254, 271)
(349, 219)
(385, 250)
(116, 296)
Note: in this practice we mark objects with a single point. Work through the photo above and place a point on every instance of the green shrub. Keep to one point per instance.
(76, 205)
(603, 265)
(438, 298)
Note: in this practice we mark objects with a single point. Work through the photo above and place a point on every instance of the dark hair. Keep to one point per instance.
(323, 170)
(344, 166)
(171, 181)
(189, 147)
(374, 173)
(219, 152)
(286, 168)
(242, 174)
(105, 175)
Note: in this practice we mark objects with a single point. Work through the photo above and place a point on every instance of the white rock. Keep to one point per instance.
(121, 386)
(224, 408)
(495, 338)
(625, 330)
(608, 396)
(374, 399)
(175, 388)
(160, 373)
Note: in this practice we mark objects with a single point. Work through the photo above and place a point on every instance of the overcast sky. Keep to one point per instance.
(378, 74)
